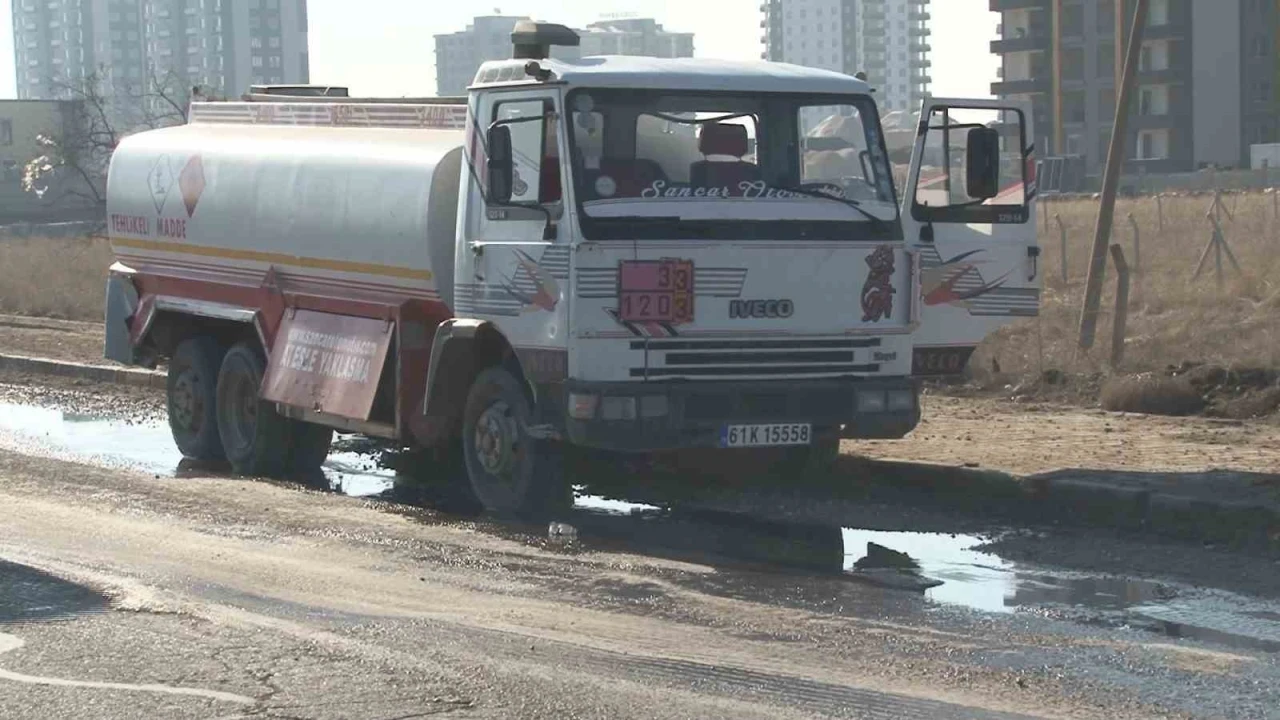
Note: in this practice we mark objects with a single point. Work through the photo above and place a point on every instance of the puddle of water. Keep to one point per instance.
(148, 446)
(610, 506)
(969, 578)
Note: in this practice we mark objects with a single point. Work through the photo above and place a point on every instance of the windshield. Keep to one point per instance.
(661, 164)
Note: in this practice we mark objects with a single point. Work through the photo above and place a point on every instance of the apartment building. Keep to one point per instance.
(634, 36)
(886, 39)
(222, 45)
(459, 55)
(1207, 78)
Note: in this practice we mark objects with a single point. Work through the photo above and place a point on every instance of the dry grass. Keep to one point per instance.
(54, 277)
(1172, 319)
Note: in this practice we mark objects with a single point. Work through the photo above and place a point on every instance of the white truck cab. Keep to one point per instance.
(633, 254)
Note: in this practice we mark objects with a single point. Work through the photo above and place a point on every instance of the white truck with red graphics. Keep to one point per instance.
(622, 253)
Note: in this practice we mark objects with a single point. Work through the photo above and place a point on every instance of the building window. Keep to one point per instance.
(6, 132)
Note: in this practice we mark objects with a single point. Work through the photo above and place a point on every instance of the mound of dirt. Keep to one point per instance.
(1196, 388)
(1238, 393)
(1151, 394)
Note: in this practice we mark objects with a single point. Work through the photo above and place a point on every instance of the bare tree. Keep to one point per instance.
(73, 159)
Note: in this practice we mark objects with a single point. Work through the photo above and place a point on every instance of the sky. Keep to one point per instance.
(386, 47)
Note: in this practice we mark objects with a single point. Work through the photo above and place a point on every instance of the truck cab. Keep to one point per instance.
(622, 253)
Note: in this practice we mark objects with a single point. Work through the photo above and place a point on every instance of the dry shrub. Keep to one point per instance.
(1151, 394)
(54, 277)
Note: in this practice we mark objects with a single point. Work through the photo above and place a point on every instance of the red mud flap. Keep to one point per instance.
(328, 363)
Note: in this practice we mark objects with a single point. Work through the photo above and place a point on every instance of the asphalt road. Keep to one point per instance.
(126, 592)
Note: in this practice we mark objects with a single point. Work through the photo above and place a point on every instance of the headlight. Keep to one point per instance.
(871, 401)
(583, 406)
(618, 408)
(900, 400)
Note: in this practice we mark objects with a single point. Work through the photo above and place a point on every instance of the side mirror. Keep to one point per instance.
(982, 164)
(500, 169)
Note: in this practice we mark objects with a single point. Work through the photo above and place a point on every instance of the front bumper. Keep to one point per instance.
(675, 415)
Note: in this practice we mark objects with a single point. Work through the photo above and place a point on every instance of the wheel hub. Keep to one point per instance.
(497, 439)
(186, 406)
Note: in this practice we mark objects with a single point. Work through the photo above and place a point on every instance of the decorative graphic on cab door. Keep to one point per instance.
(529, 285)
(878, 291)
(545, 293)
(959, 282)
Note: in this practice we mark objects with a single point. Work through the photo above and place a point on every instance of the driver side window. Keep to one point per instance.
(535, 151)
(943, 184)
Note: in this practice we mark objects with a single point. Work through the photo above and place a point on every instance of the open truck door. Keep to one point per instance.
(968, 210)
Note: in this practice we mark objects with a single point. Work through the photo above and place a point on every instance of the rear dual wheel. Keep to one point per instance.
(256, 438)
(215, 413)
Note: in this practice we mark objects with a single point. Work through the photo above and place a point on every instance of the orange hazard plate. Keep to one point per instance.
(328, 363)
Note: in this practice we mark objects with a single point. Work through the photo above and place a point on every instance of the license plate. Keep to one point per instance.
(772, 435)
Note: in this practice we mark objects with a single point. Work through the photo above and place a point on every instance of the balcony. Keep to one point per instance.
(1028, 86)
(919, 16)
(920, 47)
(1003, 5)
(1034, 42)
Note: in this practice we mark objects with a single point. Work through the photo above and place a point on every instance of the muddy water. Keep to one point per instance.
(948, 570)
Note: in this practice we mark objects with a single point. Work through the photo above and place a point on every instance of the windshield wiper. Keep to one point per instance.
(879, 222)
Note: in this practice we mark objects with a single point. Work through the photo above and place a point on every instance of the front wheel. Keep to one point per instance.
(510, 472)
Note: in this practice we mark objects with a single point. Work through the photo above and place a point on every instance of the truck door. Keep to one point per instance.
(512, 267)
(979, 257)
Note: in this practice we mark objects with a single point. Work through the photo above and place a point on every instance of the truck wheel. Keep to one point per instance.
(191, 396)
(510, 472)
(308, 446)
(254, 436)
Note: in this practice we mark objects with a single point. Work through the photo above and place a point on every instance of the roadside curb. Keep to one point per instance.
(133, 377)
(1237, 509)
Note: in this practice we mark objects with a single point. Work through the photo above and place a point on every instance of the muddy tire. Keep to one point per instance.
(510, 472)
(255, 437)
(308, 447)
(191, 397)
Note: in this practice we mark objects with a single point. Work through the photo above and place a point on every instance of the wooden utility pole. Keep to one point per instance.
(1111, 180)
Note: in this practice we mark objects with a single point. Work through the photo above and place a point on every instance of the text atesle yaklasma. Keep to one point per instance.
(339, 357)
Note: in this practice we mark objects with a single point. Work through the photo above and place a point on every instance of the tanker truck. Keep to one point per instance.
(629, 254)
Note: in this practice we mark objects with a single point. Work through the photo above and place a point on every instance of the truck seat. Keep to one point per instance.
(722, 139)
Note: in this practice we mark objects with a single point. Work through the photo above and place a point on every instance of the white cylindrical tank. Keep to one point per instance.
(342, 211)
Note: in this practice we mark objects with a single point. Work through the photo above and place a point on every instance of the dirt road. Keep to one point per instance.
(131, 589)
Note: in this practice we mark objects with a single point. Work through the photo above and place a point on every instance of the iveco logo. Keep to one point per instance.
(761, 308)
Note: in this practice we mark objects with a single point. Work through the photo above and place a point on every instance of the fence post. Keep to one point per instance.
(1118, 328)
(1160, 212)
(1062, 245)
(1137, 244)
